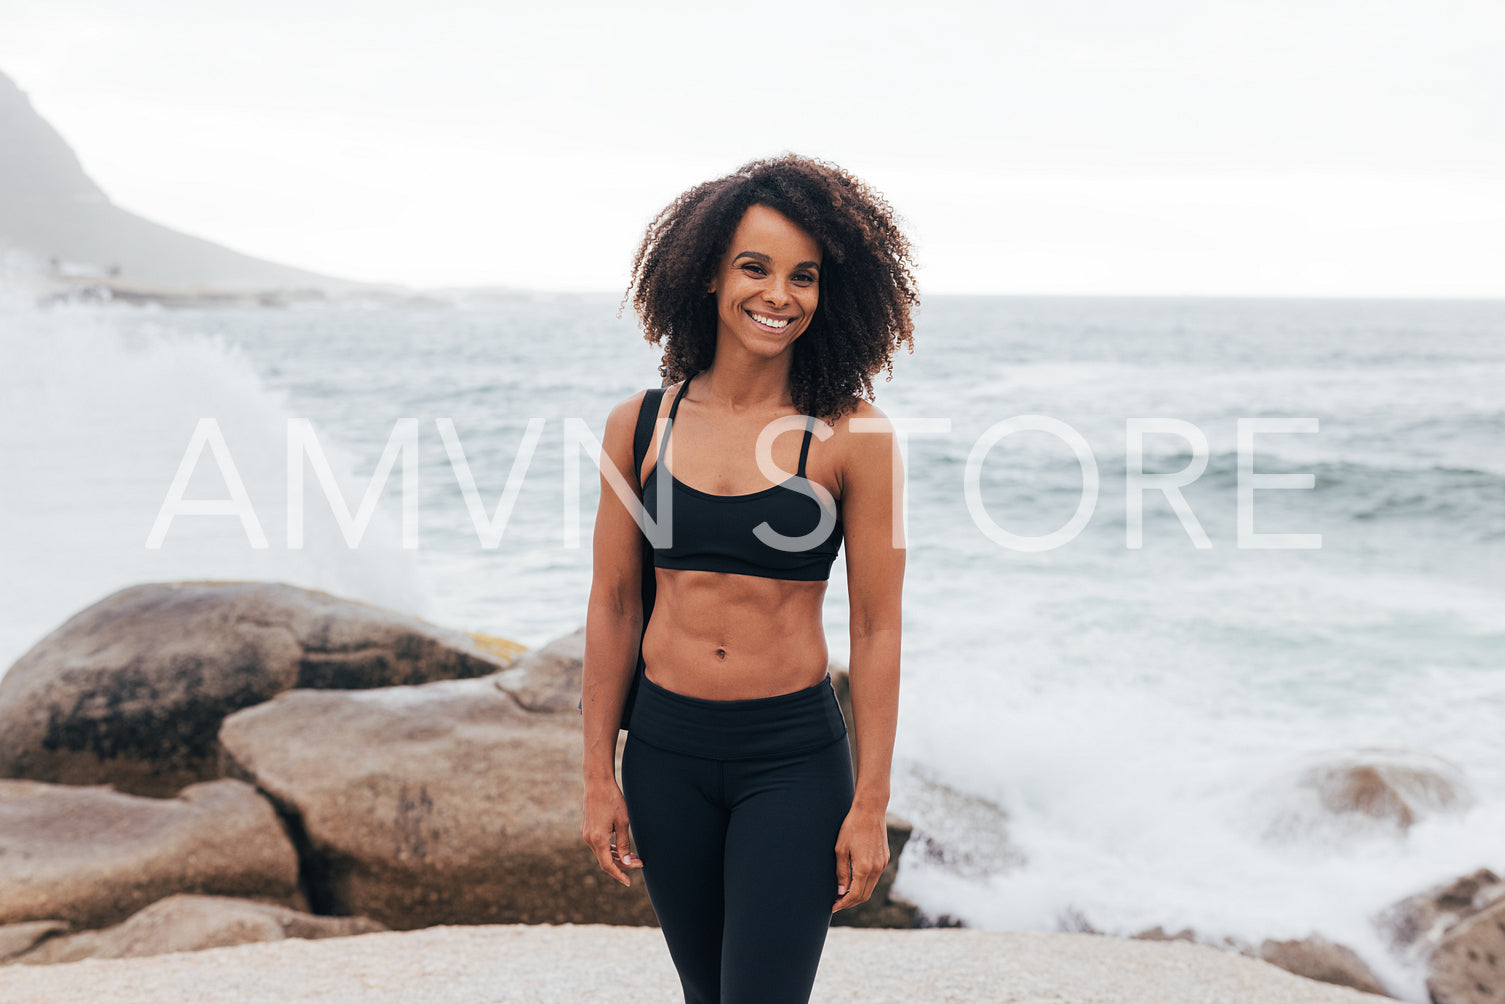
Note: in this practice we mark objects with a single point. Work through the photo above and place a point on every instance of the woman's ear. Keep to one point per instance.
(711, 289)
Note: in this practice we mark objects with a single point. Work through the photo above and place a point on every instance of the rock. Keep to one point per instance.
(963, 833)
(1319, 959)
(91, 856)
(188, 923)
(1394, 786)
(883, 908)
(1313, 957)
(18, 939)
(548, 678)
(1158, 933)
(1468, 966)
(132, 690)
(445, 803)
(1416, 925)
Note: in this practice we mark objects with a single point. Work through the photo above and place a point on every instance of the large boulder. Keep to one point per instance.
(1468, 966)
(91, 856)
(446, 803)
(187, 923)
(1392, 787)
(132, 690)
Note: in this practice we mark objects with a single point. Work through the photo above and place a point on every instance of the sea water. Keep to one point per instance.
(1092, 735)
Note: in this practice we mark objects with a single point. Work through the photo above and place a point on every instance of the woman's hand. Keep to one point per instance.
(861, 856)
(605, 829)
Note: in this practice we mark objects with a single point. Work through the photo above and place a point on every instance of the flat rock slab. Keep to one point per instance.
(187, 922)
(92, 856)
(131, 691)
(472, 965)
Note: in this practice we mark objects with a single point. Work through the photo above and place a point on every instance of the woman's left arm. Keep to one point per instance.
(873, 521)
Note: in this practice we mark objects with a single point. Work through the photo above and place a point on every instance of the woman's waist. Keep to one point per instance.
(797, 721)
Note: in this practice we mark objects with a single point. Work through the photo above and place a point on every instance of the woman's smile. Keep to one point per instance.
(766, 321)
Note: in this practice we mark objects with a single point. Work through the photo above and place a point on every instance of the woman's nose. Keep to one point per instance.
(776, 292)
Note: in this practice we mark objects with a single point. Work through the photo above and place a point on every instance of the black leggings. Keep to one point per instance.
(735, 807)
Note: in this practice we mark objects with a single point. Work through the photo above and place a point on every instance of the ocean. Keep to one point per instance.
(1091, 734)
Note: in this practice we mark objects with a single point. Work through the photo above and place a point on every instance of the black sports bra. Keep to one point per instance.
(718, 533)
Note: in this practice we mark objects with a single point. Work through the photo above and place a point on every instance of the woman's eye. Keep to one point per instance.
(754, 269)
(804, 277)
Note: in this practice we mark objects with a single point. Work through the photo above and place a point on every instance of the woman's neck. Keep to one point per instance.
(740, 381)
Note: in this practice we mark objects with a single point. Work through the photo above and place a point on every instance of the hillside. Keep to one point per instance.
(52, 210)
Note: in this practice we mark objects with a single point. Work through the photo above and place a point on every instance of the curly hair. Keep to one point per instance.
(867, 285)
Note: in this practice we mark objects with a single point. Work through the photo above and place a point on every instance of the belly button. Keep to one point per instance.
(721, 653)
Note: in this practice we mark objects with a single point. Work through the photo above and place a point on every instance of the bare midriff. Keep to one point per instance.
(725, 637)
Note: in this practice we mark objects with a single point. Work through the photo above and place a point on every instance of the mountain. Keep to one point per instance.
(52, 209)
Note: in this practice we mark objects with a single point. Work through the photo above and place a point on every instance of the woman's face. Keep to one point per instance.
(768, 282)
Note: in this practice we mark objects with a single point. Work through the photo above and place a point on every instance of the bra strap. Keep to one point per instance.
(805, 447)
(673, 409)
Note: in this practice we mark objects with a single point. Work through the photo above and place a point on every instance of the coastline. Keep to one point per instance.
(100, 289)
(567, 962)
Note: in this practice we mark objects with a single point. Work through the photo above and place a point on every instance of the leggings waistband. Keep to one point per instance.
(797, 722)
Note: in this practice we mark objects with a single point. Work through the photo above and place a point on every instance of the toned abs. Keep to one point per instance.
(726, 637)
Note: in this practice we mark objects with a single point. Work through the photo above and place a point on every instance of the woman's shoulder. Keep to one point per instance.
(862, 441)
(627, 409)
(860, 416)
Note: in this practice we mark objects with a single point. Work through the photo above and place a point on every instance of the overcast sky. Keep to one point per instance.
(1279, 147)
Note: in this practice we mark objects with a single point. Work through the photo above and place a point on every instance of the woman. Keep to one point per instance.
(778, 292)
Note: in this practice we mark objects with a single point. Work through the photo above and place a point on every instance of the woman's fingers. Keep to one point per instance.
(855, 880)
(609, 843)
(606, 857)
(629, 859)
(843, 879)
(621, 852)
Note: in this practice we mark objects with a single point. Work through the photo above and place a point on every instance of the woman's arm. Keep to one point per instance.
(613, 631)
(872, 518)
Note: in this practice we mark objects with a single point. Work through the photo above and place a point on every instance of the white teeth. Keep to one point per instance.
(769, 320)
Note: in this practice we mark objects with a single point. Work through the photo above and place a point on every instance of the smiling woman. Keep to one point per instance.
(778, 292)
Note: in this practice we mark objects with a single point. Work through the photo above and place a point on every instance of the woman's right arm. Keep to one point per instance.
(613, 631)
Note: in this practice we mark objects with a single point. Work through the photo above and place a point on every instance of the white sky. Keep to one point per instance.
(1279, 147)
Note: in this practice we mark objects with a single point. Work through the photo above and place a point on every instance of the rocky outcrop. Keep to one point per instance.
(132, 690)
(1417, 924)
(90, 856)
(1317, 958)
(185, 923)
(451, 801)
(1396, 787)
(446, 803)
(1457, 930)
(1468, 966)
